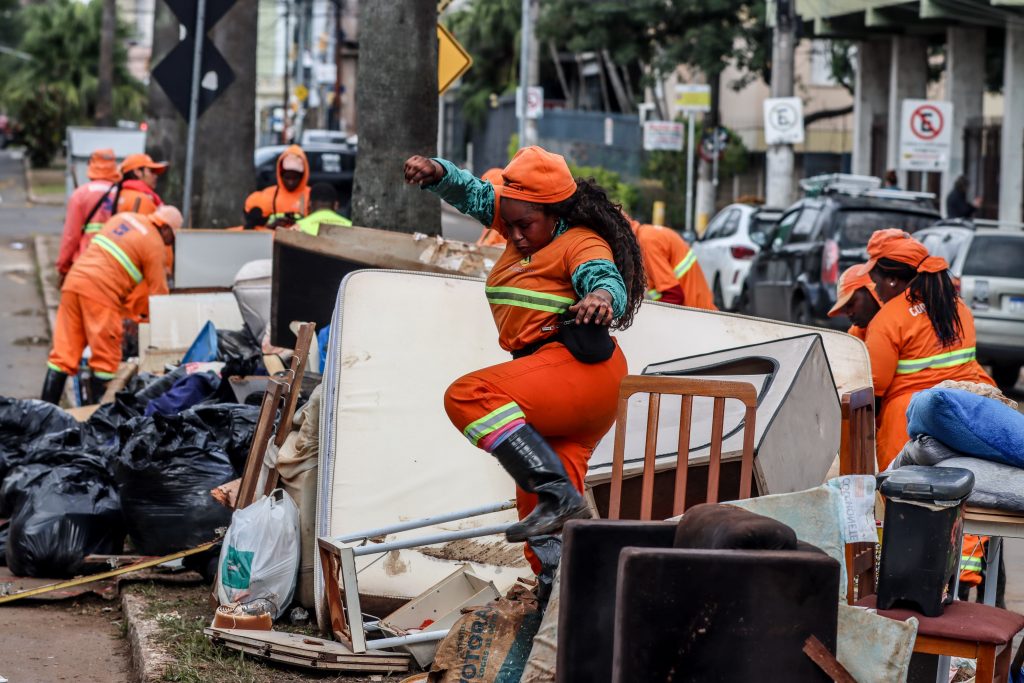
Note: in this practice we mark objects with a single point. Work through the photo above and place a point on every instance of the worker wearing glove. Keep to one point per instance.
(673, 274)
(281, 205)
(130, 250)
(571, 257)
(923, 335)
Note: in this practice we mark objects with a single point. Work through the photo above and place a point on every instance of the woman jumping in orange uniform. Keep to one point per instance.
(923, 335)
(571, 267)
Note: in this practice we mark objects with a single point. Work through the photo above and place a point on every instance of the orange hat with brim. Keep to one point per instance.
(536, 175)
(899, 245)
(133, 162)
(493, 176)
(103, 166)
(852, 279)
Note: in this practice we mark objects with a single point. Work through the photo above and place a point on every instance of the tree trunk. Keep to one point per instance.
(105, 86)
(396, 104)
(562, 81)
(224, 173)
(624, 102)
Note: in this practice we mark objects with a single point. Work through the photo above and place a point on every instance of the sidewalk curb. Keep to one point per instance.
(51, 295)
(148, 661)
(32, 197)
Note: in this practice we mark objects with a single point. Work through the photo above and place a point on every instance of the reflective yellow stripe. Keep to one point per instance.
(57, 368)
(684, 266)
(91, 228)
(525, 298)
(103, 375)
(494, 420)
(942, 360)
(653, 294)
(111, 248)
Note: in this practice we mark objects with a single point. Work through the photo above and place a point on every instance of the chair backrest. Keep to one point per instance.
(857, 456)
(688, 388)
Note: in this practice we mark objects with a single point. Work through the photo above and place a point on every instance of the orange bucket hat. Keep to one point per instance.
(852, 279)
(493, 176)
(538, 176)
(103, 166)
(899, 245)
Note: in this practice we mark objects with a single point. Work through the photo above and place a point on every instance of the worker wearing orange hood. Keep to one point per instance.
(130, 250)
(280, 205)
(88, 208)
(923, 334)
(673, 274)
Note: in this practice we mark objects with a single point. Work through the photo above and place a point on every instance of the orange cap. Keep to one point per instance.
(168, 215)
(852, 279)
(493, 176)
(133, 162)
(899, 245)
(103, 166)
(536, 175)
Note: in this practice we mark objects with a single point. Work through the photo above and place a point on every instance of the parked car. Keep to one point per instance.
(989, 263)
(320, 136)
(793, 278)
(727, 248)
(333, 164)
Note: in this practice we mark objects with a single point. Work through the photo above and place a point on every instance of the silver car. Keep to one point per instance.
(989, 262)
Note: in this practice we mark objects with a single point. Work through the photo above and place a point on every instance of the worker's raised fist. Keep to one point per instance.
(422, 171)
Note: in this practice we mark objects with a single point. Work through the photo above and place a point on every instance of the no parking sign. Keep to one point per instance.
(925, 135)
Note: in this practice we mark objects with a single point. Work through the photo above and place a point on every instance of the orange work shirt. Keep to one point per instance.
(126, 252)
(858, 332)
(528, 294)
(669, 262)
(137, 197)
(93, 194)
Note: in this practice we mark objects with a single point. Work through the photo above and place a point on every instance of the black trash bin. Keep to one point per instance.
(924, 524)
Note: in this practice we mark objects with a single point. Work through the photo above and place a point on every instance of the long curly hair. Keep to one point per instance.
(936, 292)
(590, 207)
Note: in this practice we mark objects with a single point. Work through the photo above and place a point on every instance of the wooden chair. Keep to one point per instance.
(857, 456)
(965, 629)
(688, 388)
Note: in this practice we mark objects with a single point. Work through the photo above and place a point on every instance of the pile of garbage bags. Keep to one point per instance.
(140, 467)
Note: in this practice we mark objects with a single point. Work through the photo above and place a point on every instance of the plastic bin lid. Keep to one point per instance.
(917, 482)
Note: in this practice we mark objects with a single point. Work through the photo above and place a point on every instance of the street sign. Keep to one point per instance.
(452, 59)
(663, 135)
(783, 121)
(713, 146)
(925, 135)
(693, 98)
(534, 102)
(301, 92)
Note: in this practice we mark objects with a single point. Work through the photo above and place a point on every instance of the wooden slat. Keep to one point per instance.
(683, 455)
(747, 463)
(330, 565)
(260, 442)
(618, 457)
(715, 461)
(304, 339)
(650, 450)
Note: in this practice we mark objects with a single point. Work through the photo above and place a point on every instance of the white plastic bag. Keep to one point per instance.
(260, 555)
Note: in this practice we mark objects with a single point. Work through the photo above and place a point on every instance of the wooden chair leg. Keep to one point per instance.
(986, 667)
(1003, 661)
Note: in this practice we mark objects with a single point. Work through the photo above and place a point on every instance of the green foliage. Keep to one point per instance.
(619, 192)
(489, 30)
(58, 87)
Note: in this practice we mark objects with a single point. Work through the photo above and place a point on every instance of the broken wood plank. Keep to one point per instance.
(260, 442)
(312, 653)
(826, 661)
(298, 371)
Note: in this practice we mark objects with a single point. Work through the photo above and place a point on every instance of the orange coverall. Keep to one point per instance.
(77, 234)
(571, 404)
(276, 200)
(669, 263)
(906, 357)
(128, 251)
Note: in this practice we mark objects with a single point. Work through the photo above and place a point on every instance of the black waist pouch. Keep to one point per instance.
(588, 343)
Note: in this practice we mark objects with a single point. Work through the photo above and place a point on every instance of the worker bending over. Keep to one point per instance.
(673, 274)
(570, 270)
(281, 205)
(323, 207)
(923, 334)
(856, 299)
(88, 208)
(129, 250)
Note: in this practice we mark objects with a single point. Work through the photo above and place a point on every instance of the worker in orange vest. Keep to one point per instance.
(856, 299)
(923, 334)
(673, 274)
(491, 237)
(88, 209)
(137, 190)
(128, 251)
(281, 205)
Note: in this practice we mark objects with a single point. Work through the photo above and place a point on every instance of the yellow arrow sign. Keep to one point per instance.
(452, 59)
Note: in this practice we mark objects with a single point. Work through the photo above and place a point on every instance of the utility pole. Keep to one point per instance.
(105, 85)
(287, 67)
(779, 190)
(529, 71)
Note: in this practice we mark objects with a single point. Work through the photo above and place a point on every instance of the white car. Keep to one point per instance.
(727, 248)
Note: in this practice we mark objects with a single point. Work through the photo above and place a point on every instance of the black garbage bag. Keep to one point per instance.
(5, 532)
(166, 468)
(70, 512)
(103, 425)
(24, 420)
(237, 344)
(16, 486)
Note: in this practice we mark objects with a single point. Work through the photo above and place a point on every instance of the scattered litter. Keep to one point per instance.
(298, 616)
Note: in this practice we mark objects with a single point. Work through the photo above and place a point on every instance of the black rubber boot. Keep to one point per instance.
(96, 388)
(536, 468)
(53, 386)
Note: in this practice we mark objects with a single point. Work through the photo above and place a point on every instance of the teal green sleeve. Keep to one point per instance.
(464, 191)
(601, 274)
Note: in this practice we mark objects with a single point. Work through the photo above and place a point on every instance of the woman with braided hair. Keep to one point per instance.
(923, 334)
(571, 269)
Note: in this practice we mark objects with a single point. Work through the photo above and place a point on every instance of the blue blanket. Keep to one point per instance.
(974, 425)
